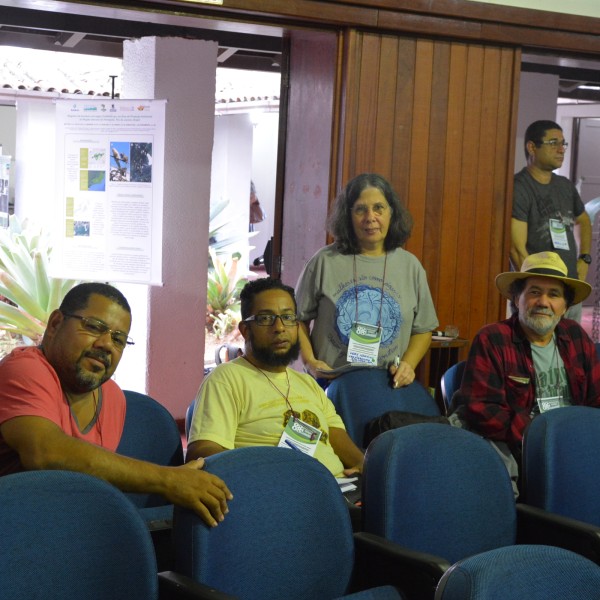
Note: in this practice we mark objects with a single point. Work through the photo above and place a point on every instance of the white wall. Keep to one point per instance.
(8, 139)
(230, 179)
(538, 96)
(34, 159)
(264, 166)
(245, 148)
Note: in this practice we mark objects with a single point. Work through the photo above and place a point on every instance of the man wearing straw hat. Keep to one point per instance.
(533, 362)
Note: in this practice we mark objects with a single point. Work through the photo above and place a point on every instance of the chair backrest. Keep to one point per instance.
(451, 381)
(287, 533)
(362, 395)
(189, 413)
(438, 489)
(150, 433)
(561, 472)
(67, 535)
(516, 572)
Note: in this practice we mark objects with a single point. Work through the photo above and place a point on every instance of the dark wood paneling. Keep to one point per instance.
(308, 148)
(458, 19)
(439, 128)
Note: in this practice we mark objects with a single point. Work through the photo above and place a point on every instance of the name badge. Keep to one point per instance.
(546, 404)
(364, 344)
(300, 436)
(558, 232)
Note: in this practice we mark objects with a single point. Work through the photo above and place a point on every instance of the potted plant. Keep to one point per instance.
(27, 293)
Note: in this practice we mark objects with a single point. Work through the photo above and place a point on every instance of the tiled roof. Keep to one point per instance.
(42, 71)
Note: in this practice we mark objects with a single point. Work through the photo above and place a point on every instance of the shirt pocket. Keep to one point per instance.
(518, 391)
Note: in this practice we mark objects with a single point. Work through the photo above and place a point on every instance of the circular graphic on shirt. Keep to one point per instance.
(370, 303)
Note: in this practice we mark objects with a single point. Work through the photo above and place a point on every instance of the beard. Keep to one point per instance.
(84, 381)
(267, 357)
(540, 324)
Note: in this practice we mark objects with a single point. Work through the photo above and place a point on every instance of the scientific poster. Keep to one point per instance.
(109, 190)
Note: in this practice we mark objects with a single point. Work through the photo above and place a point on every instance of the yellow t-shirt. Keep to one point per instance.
(237, 406)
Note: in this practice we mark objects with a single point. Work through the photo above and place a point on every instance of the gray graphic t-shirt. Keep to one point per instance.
(327, 294)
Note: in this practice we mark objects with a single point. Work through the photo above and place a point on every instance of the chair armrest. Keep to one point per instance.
(382, 562)
(538, 526)
(174, 586)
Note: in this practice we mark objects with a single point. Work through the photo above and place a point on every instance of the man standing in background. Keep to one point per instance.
(547, 207)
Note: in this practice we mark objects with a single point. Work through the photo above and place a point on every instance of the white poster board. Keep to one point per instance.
(109, 196)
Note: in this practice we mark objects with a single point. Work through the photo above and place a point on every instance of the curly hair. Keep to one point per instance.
(255, 287)
(340, 220)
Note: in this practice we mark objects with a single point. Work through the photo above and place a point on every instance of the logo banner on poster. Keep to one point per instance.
(109, 190)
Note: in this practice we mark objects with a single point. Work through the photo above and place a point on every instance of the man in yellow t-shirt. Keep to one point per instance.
(249, 401)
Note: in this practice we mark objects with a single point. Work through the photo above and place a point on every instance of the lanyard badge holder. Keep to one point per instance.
(363, 346)
(558, 232)
(300, 436)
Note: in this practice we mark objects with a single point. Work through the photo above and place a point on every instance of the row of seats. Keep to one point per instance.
(433, 496)
(288, 534)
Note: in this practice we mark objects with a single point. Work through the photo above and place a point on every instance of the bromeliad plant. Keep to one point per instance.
(223, 294)
(224, 280)
(28, 293)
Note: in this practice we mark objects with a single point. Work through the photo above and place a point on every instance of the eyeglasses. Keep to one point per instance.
(98, 328)
(556, 143)
(360, 210)
(288, 320)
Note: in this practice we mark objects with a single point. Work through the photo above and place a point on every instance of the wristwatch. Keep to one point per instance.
(586, 258)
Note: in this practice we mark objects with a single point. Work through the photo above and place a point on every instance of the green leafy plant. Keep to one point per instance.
(224, 323)
(224, 282)
(223, 292)
(28, 293)
(215, 232)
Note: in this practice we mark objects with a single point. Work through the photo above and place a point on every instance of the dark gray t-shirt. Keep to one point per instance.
(537, 203)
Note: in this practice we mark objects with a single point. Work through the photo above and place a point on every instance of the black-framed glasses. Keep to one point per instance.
(556, 143)
(97, 328)
(268, 320)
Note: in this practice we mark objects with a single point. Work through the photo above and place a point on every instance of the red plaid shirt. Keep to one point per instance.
(497, 393)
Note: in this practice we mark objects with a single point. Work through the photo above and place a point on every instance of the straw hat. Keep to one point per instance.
(544, 264)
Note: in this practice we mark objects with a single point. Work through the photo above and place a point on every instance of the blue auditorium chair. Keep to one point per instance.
(362, 395)
(561, 468)
(67, 535)
(441, 494)
(535, 572)
(451, 381)
(189, 413)
(150, 433)
(287, 534)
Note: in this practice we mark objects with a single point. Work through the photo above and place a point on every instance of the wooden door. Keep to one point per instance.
(437, 119)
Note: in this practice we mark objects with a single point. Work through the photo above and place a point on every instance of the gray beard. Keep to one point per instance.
(540, 325)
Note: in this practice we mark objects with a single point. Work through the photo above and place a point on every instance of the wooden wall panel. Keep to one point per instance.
(418, 159)
(402, 130)
(451, 232)
(436, 118)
